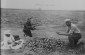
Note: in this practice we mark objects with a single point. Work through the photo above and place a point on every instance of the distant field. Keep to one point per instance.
(47, 22)
(17, 17)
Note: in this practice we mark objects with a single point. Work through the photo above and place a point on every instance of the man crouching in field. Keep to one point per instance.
(27, 28)
(73, 32)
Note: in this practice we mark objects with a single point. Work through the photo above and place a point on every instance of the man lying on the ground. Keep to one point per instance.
(11, 41)
(7, 40)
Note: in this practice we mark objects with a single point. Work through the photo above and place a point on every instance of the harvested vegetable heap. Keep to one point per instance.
(44, 44)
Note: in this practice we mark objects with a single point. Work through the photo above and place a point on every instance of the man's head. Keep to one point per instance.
(68, 22)
(29, 19)
(8, 35)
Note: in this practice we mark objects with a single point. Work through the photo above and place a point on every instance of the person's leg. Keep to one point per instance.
(75, 42)
(25, 32)
(76, 38)
(71, 40)
(29, 33)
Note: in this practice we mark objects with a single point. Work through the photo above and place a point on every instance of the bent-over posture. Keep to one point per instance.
(73, 32)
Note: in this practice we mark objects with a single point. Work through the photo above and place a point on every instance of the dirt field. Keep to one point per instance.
(46, 28)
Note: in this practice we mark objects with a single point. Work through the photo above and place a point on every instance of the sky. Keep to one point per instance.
(44, 4)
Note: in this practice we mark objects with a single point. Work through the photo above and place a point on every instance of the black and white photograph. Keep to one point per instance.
(42, 27)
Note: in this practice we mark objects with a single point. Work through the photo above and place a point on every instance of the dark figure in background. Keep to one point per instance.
(27, 28)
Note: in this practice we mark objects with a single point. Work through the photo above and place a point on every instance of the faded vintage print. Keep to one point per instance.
(42, 27)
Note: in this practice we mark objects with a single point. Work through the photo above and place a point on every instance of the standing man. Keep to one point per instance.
(73, 32)
(27, 28)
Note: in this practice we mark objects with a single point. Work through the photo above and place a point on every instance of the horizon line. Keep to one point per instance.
(43, 9)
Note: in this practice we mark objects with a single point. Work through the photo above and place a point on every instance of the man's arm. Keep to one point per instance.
(26, 26)
(68, 29)
(66, 34)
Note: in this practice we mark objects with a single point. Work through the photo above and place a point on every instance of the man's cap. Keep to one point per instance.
(67, 20)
